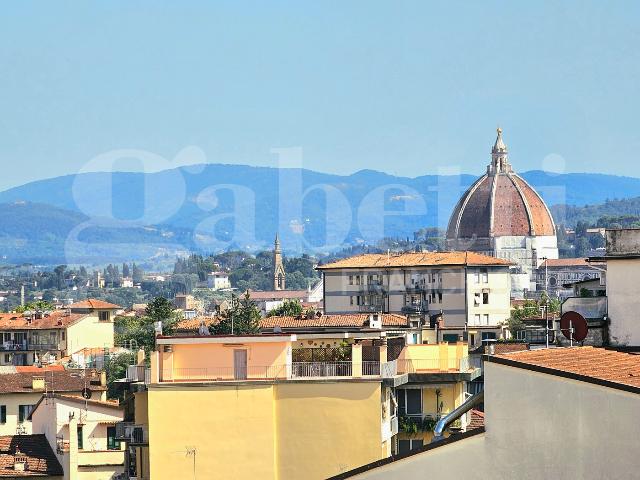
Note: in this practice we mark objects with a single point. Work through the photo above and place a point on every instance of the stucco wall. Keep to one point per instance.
(537, 426)
(623, 278)
(89, 332)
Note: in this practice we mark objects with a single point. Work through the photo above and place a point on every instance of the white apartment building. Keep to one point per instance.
(218, 281)
(470, 290)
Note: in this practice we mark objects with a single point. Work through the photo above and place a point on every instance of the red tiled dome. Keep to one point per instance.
(500, 203)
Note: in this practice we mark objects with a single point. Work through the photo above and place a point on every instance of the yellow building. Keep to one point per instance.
(275, 406)
(44, 337)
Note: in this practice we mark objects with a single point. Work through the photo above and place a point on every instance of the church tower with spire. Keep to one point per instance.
(278, 266)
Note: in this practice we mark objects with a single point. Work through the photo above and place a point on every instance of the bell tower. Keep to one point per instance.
(278, 267)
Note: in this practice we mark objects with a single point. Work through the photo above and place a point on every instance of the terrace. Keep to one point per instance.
(269, 358)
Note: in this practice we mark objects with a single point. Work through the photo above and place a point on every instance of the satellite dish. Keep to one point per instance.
(577, 322)
(86, 393)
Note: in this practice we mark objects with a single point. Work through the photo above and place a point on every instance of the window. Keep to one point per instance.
(112, 443)
(439, 297)
(62, 333)
(476, 299)
(485, 298)
(450, 337)
(7, 358)
(488, 335)
(351, 300)
(24, 411)
(410, 401)
(3, 414)
(476, 318)
(476, 276)
(105, 316)
(405, 446)
(350, 279)
(486, 319)
(80, 439)
(485, 275)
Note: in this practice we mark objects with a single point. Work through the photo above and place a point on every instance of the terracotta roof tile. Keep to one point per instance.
(427, 259)
(92, 303)
(40, 459)
(599, 363)
(193, 324)
(565, 262)
(352, 320)
(56, 320)
(278, 294)
(477, 419)
(65, 381)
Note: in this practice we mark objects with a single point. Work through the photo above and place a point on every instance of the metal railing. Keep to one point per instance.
(13, 346)
(433, 365)
(371, 308)
(271, 372)
(138, 373)
(422, 307)
(294, 371)
(370, 368)
(321, 369)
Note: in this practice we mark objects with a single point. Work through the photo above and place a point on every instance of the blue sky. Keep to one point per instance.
(409, 88)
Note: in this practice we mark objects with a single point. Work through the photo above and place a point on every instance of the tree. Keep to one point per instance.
(38, 305)
(288, 308)
(159, 309)
(125, 270)
(137, 274)
(116, 368)
(141, 330)
(243, 318)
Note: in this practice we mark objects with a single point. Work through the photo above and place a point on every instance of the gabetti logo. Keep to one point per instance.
(227, 213)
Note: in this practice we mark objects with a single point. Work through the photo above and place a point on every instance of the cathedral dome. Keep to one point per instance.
(500, 203)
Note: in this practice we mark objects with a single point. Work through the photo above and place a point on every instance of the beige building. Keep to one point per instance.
(82, 433)
(471, 290)
(561, 413)
(21, 391)
(44, 337)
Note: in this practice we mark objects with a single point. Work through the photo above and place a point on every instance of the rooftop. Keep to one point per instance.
(324, 321)
(277, 294)
(564, 262)
(610, 367)
(58, 381)
(93, 304)
(421, 259)
(56, 320)
(40, 459)
(79, 400)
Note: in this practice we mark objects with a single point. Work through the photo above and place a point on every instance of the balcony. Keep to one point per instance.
(416, 308)
(138, 373)
(375, 287)
(376, 308)
(416, 289)
(97, 458)
(436, 365)
(27, 346)
(292, 372)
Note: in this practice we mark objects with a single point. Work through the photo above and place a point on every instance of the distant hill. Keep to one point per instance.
(621, 211)
(178, 209)
(43, 234)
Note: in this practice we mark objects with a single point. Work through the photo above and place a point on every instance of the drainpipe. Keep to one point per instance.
(448, 419)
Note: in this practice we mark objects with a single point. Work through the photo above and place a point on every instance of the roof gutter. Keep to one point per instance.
(444, 422)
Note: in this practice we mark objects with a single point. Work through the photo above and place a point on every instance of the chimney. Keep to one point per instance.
(19, 461)
(103, 378)
(37, 383)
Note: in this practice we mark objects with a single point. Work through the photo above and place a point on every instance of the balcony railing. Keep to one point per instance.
(371, 308)
(138, 373)
(272, 372)
(294, 371)
(12, 346)
(321, 369)
(438, 365)
(417, 308)
(25, 345)
(416, 289)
